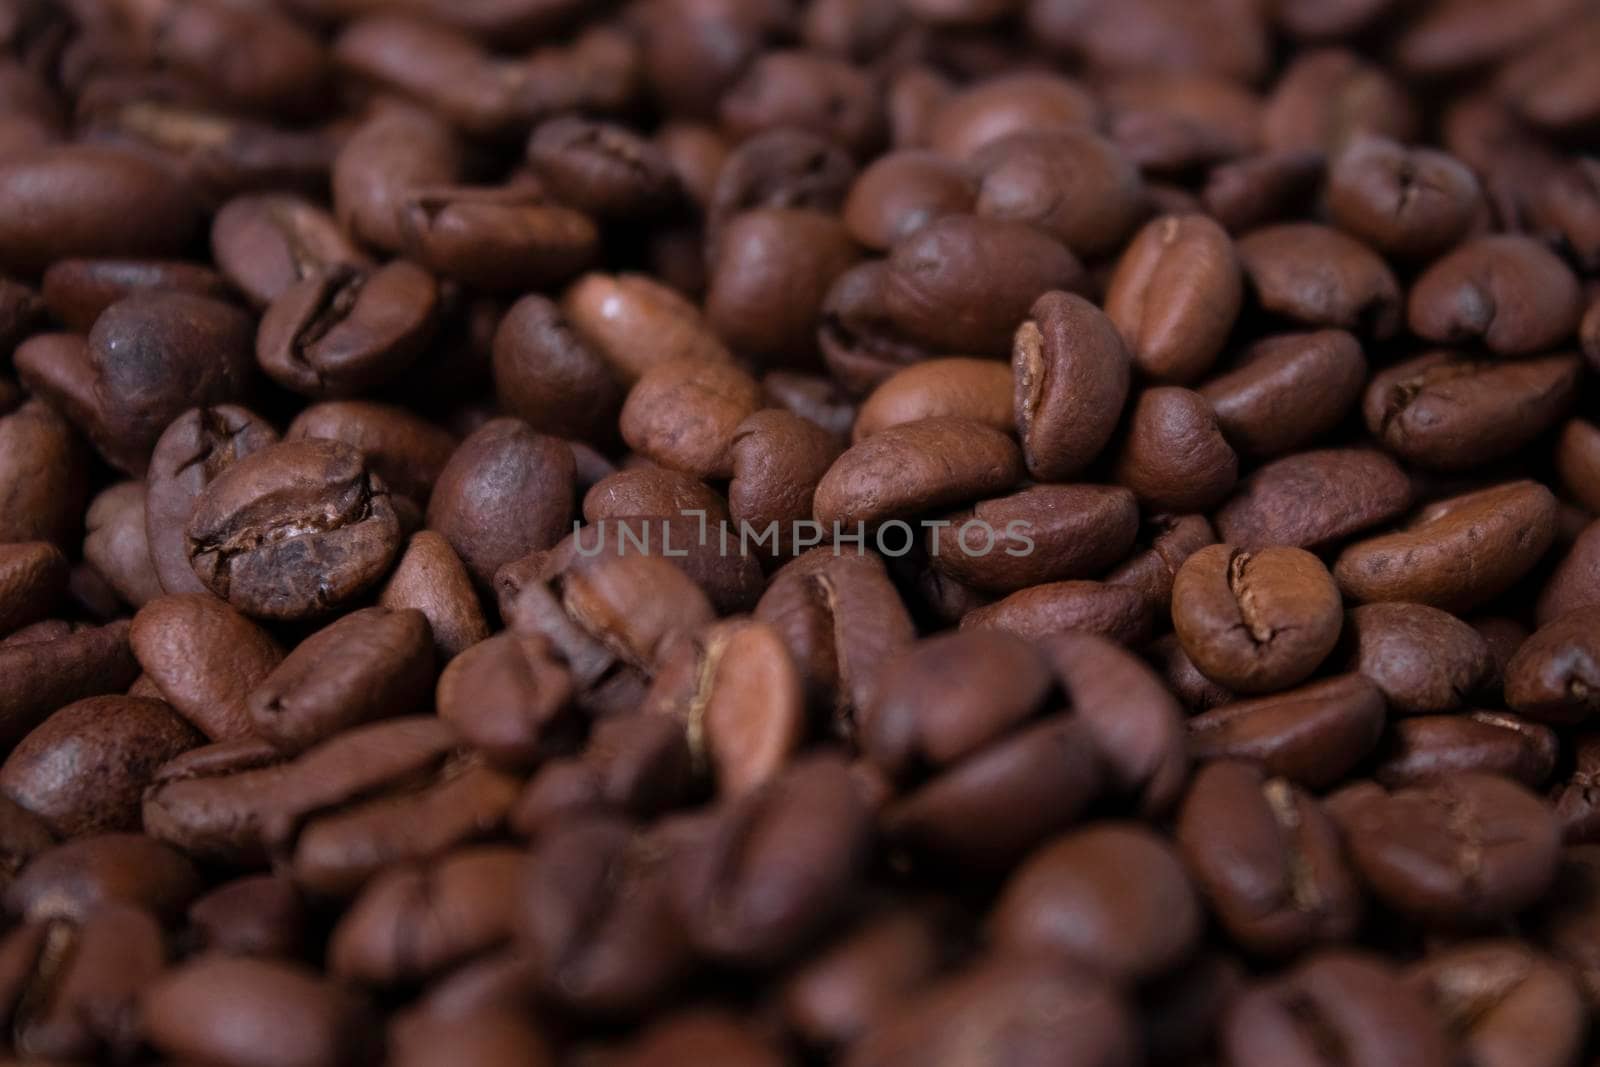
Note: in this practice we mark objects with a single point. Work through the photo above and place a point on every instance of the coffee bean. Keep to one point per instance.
(1072, 376)
(1506, 291)
(902, 192)
(1319, 277)
(1423, 659)
(1314, 499)
(1071, 183)
(1409, 202)
(1177, 121)
(1453, 414)
(267, 244)
(914, 468)
(258, 915)
(1041, 534)
(1151, 570)
(1432, 747)
(1287, 391)
(1312, 736)
(431, 578)
(33, 578)
(1503, 1002)
(1115, 611)
(602, 169)
(684, 414)
(1471, 848)
(1574, 582)
(508, 696)
(1004, 105)
(547, 375)
(394, 151)
(76, 878)
(1267, 859)
(1174, 457)
(408, 452)
(1457, 553)
(633, 323)
(205, 659)
(1247, 193)
(43, 474)
(1552, 677)
(1174, 296)
(1256, 621)
(785, 167)
(116, 545)
(293, 530)
(52, 666)
(78, 290)
(1335, 999)
(978, 389)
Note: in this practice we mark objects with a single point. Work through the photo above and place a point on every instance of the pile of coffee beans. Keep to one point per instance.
(771, 533)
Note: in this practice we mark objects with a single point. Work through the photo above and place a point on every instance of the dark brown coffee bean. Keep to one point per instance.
(348, 331)
(508, 696)
(1434, 747)
(84, 769)
(808, 91)
(756, 878)
(499, 239)
(1196, 692)
(1253, 191)
(1168, 540)
(1337, 999)
(1471, 848)
(548, 376)
(191, 453)
(1574, 583)
(771, 269)
(778, 460)
(993, 270)
(1506, 291)
(90, 200)
(1315, 499)
(265, 244)
(658, 491)
(914, 468)
(1072, 376)
(1174, 457)
(47, 670)
(414, 922)
(1067, 902)
(153, 356)
(491, 1037)
(1318, 276)
(1566, 926)
(1407, 202)
(1424, 660)
(258, 915)
(115, 544)
(978, 389)
(75, 879)
(1328, 96)
(1174, 296)
(1267, 859)
(902, 192)
(1116, 611)
(1288, 390)
(1503, 1002)
(633, 323)
(1008, 104)
(1174, 122)
(293, 530)
(999, 1003)
(1578, 462)
(1312, 735)
(431, 578)
(43, 475)
(370, 664)
(634, 765)
(407, 451)
(33, 578)
(861, 344)
(212, 1008)
(204, 658)
(1256, 622)
(1453, 414)
(684, 414)
(1071, 183)
(1555, 676)
(78, 290)
(779, 168)
(1457, 553)
(1045, 533)
(603, 169)
(395, 151)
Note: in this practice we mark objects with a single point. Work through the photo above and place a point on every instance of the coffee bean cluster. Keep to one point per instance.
(770, 533)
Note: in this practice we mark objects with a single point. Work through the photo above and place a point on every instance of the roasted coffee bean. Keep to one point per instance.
(634, 765)
(1032, 1007)
(1174, 296)
(33, 578)
(43, 474)
(1173, 122)
(1044, 533)
(1066, 901)
(1574, 583)
(488, 1037)
(115, 544)
(347, 331)
(258, 915)
(1578, 462)
(205, 659)
(431, 578)
(1174, 457)
(1408, 202)
(51, 665)
(861, 344)
(1467, 849)
(395, 151)
(999, 106)
(370, 664)
(293, 530)
(778, 461)
(78, 290)
(1312, 735)
(1267, 859)
(1318, 276)
(1072, 377)
(978, 389)
(1503, 1002)
(1169, 540)
(508, 696)
(1425, 660)
(1457, 553)
(1315, 499)
(214, 1008)
(408, 452)
(1119, 612)
(914, 468)
(1453, 414)
(505, 492)
(901, 193)
(1287, 391)
(602, 169)
(1329, 96)
(1193, 689)
(268, 243)
(780, 168)
(684, 414)
(1245, 194)
(75, 879)
(992, 270)
(499, 239)
(644, 491)
(1071, 183)
(90, 200)
(633, 323)
(1431, 747)
(548, 376)
(1555, 675)
(190, 454)
(1256, 622)
(1336, 999)
(1508, 292)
